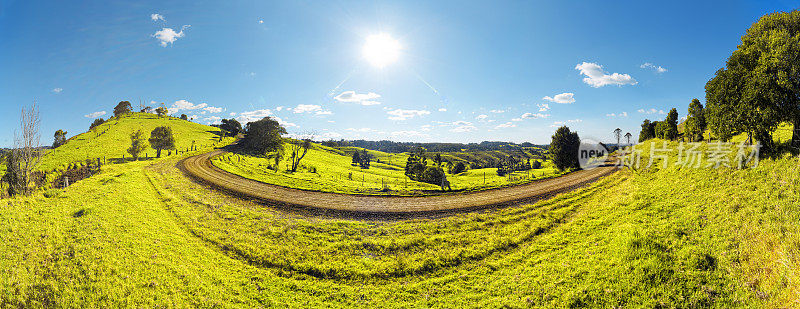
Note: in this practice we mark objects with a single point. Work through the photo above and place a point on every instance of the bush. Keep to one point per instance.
(433, 175)
(458, 168)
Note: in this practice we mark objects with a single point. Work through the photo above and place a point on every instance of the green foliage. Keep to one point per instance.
(695, 123)
(184, 117)
(263, 136)
(416, 164)
(96, 123)
(162, 111)
(563, 149)
(458, 168)
(232, 126)
(123, 108)
(670, 129)
(138, 144)
(648, 130)
(161, 139)
(59, 138)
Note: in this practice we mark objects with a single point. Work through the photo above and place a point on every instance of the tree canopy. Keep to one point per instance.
(564, 148)
(122, 108)
(161, 139)
(263, 136)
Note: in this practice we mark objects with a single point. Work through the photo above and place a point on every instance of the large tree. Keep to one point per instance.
(161, 139)
(298, 150)
(263, 136)
(96, 122)
(671, 128)
(564, 148)
(695, 123)
(232, 126)
(618, 134)
(648, 130)
(122, 108)
(759, 86)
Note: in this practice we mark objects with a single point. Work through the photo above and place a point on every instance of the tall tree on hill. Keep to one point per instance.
(161, 139)
(96, 122)
(357, 158)
(122, 108)
(138, 144)
(671, 128)
(26, 155)
(264, 136)
(564, 148)
(59, 138)
(647, 132)
(184, 117)
(758, 88)
(162, 110)
(617, 134)
(628, 137)
(695, 123)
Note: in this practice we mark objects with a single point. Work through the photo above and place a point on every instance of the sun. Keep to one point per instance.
(381, 50)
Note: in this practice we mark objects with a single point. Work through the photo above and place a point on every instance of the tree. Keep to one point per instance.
(59, 138)
(263, 136)
(232, 126)
(695, 123)
(162, 110)
(122, 108)
(564, 148)
(458, 168)
(670, 131)
(161, 139)
(298, 150)
(96, 122)
(437, 159)
(628, 137)
(366, 159)
(416, 164)
(138, 144)
(617, 134)
(536, 164)
(145, 109)
(184, 117)
(357, 158)
(648, 131)
(26, 155)
(434, 175)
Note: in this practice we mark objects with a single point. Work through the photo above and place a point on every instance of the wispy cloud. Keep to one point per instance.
(534, 116)
(156, 17)
(360, 98)
(621, 115)
(463, 128)
(95, 114)
(562, 98)
(505, 125)
(405, 114)
(57, 90)
(565, 122)
(543, 107)
(311, 109)
(597, 77)
(657, 68)
(652, 111)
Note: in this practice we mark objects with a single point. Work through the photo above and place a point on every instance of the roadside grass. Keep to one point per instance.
(331, 170)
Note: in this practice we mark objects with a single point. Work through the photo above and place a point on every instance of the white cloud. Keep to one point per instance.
(426, 127)
(597, 77)
(534, 116)
(561, 123)
(95, 114)
(360, 130)
(251, 116)
(360, 98)
(463, 129)
(442, 109)
(168, 35)
(543, 107)
(482, 117)
(279, 108)
(213, 110)
(261, 21)
(212, 119)
(310, 108)
(563, 98)
(156, 17)
(516, 119)
(652, 111)
(622, 114)
(498, 111)
(505, 125)
(405, 114)
(186, 105)
(657, 68)
(461, 123)
(57, 90)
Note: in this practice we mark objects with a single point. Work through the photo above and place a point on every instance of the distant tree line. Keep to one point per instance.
(400, 147)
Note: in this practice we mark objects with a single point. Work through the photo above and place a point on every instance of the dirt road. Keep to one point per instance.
(201, 168)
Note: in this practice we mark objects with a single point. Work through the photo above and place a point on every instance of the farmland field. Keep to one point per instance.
(330, 170)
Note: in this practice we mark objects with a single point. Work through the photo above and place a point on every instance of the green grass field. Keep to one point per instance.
(330, 170)
(141, 234)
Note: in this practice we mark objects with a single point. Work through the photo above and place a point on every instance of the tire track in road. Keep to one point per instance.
(201, 168)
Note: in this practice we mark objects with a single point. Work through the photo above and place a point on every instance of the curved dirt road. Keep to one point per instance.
(201, 168)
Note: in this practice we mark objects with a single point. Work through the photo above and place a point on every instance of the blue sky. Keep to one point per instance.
(466, 71)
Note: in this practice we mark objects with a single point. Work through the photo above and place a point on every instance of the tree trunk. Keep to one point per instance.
(796, 132)
(158, 153)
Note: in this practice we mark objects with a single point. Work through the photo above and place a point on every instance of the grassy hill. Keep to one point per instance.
(112, 139)
(141, 234)
(330, 170)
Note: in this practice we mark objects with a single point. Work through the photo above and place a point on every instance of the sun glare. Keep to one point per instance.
(381, 50)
